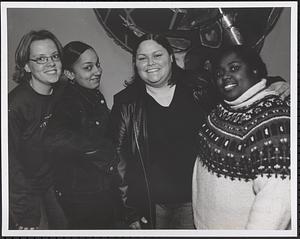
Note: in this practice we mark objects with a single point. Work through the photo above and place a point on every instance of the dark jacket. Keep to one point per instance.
(76, 138)
(30, 172)
(129, 131)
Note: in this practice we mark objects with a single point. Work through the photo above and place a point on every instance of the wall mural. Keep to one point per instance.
(196, 32)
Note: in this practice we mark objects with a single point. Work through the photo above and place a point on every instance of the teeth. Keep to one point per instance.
(152, 70)
(229, 86)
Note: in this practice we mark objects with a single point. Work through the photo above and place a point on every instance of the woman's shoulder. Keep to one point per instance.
(272, 106)
(66, 98)
(20, 94)
(130, 93)
(66, 91)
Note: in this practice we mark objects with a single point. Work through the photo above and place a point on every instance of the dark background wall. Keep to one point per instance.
(82, 24)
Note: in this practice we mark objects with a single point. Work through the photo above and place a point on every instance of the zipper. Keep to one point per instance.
(144, 170)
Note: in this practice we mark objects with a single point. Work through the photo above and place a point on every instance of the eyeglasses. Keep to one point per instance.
(45, 59)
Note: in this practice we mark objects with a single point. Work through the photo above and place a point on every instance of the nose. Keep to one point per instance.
(226, 74)
(98, 70)
(51, 62)
(150, 61)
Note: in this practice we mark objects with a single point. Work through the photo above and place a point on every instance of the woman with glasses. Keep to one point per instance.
(77, 137)
(38, 69)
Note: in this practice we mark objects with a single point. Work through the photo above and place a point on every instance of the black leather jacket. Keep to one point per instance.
(129, 131)
(76, 137)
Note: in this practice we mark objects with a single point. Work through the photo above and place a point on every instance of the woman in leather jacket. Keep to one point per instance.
(154, 125)
(85, 157)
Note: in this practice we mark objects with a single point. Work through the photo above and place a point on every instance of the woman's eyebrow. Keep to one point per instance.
(235, 61)
(88, 63)
(44, 54)
(150, 53)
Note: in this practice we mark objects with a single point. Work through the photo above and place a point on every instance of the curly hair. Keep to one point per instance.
(23, 52)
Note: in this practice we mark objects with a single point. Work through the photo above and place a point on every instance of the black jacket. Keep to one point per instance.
(129, 131)
(76, 138)
(30, 172)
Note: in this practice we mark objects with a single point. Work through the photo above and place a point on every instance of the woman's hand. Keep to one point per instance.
(282, 88)
(135, 225)
(138, 224)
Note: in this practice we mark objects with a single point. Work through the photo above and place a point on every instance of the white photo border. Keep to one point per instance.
(142, 233)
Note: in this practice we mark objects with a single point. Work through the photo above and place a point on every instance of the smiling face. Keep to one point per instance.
(43, 75)
(153, 63)
(87, 70)
(234, 76)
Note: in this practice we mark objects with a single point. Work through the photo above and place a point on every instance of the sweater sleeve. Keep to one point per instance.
(21, 203)
(271, 208)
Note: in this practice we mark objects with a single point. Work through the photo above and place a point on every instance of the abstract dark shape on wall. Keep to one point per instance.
(196, 31)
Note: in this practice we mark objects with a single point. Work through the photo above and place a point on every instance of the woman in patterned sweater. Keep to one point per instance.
(241, 177)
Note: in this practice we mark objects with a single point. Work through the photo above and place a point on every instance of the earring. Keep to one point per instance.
(69, 76)
(255, 72)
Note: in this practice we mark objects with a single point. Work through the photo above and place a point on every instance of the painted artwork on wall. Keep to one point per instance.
(195, 31)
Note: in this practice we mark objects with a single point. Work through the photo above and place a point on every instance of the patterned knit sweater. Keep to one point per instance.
(241, 176)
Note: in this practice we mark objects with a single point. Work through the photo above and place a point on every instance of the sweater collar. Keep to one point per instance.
(254, 93)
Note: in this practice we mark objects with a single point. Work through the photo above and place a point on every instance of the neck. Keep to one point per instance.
(253, 94)
(163, 95)
(41, 88)
(160, 91)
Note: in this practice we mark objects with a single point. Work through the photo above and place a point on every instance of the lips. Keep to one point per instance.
(152, 70)
(95, 79)
(52, 71)
(229, 85)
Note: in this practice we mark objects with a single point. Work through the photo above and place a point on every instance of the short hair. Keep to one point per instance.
(248, 54)
(161, 40)
(22, 53)
(72, 51)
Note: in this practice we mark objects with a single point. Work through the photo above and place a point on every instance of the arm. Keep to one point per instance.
(279, 85)
(118, 132)
(271, 208)
(21, 203)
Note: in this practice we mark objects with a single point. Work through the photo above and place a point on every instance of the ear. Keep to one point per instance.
(69, 75)
(26, 68)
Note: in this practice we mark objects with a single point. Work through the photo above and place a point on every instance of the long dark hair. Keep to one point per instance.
(161, 40)
(23, 52)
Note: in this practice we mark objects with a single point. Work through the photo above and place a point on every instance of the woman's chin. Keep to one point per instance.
(230, 97)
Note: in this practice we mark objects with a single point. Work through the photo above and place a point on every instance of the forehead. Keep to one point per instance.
(46, 46)
(149, 46)
(230, 57)
(88, 55)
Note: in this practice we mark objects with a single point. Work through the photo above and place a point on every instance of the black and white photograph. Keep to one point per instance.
(134, 119)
